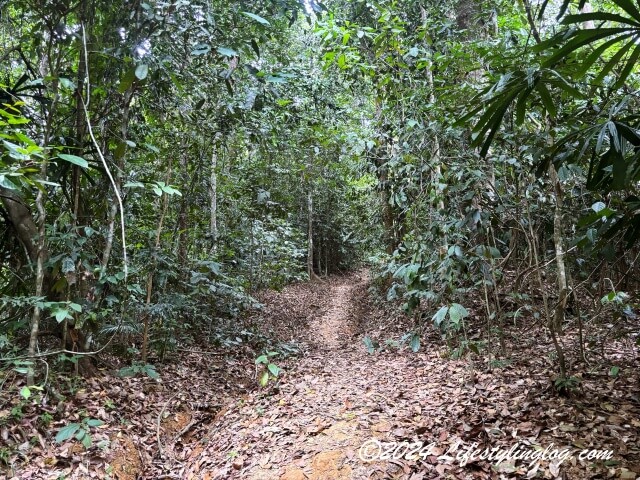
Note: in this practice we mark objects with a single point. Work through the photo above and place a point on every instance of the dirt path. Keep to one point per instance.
(335, 406)
(334, 325)
(338, 398)
(327, 406)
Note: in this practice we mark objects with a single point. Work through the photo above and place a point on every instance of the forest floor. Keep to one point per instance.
(335, 409)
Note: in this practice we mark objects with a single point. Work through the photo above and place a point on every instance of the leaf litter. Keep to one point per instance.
(205, 418)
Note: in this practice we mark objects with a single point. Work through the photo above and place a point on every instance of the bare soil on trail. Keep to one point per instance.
(339, 404)
(332, 327)
(335, 405)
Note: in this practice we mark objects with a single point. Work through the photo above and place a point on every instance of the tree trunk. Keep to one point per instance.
(119, 158)
(310, 236)
(558, 240)
(587, 9)
(45, 68)
(554, 323)
(435, 152)
(146, 318)
(80, 117)
(183, 220)
(35, 318)
(22, 221)
(213, 199)
(554, 337)
(312, 274)
(387, 217)
(466, 11)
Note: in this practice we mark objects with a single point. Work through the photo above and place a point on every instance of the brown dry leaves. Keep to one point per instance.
(326, 404)
(137, 412)
(338, 396)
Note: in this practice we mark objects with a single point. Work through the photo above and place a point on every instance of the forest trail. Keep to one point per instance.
(321, 412)
(338, 397)
(327, 405)
(334, 324)
(171, 170)
(338, 405)
(335, 405)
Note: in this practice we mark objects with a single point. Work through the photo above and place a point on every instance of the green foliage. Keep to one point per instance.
(267, 370)
(45, 419)
(226, 70)
(58, 310)
(566, 385)
(415, 342)
(620, 306)
(467, 346)
(412, 131)
(5, 455)
(137, 368)
(26, 392)
(81, 431)
(450, 317)
(603, 129)
(18, 152)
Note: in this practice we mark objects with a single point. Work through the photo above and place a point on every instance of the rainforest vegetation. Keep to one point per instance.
(168, 166)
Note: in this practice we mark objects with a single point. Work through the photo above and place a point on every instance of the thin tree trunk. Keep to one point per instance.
(183, 215)
(557, 346)
(46, 66)
(251, 256)
(310, 236)
(319, 256)
(435, 150)
(436, 172)
(80, 118)
(111, 229)
(387, 215)
(35, 318)
(326, 260)
(554, 323)
(587, 9)
(113, 211)
(558, 241)
(147, 319)
(213, 200)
